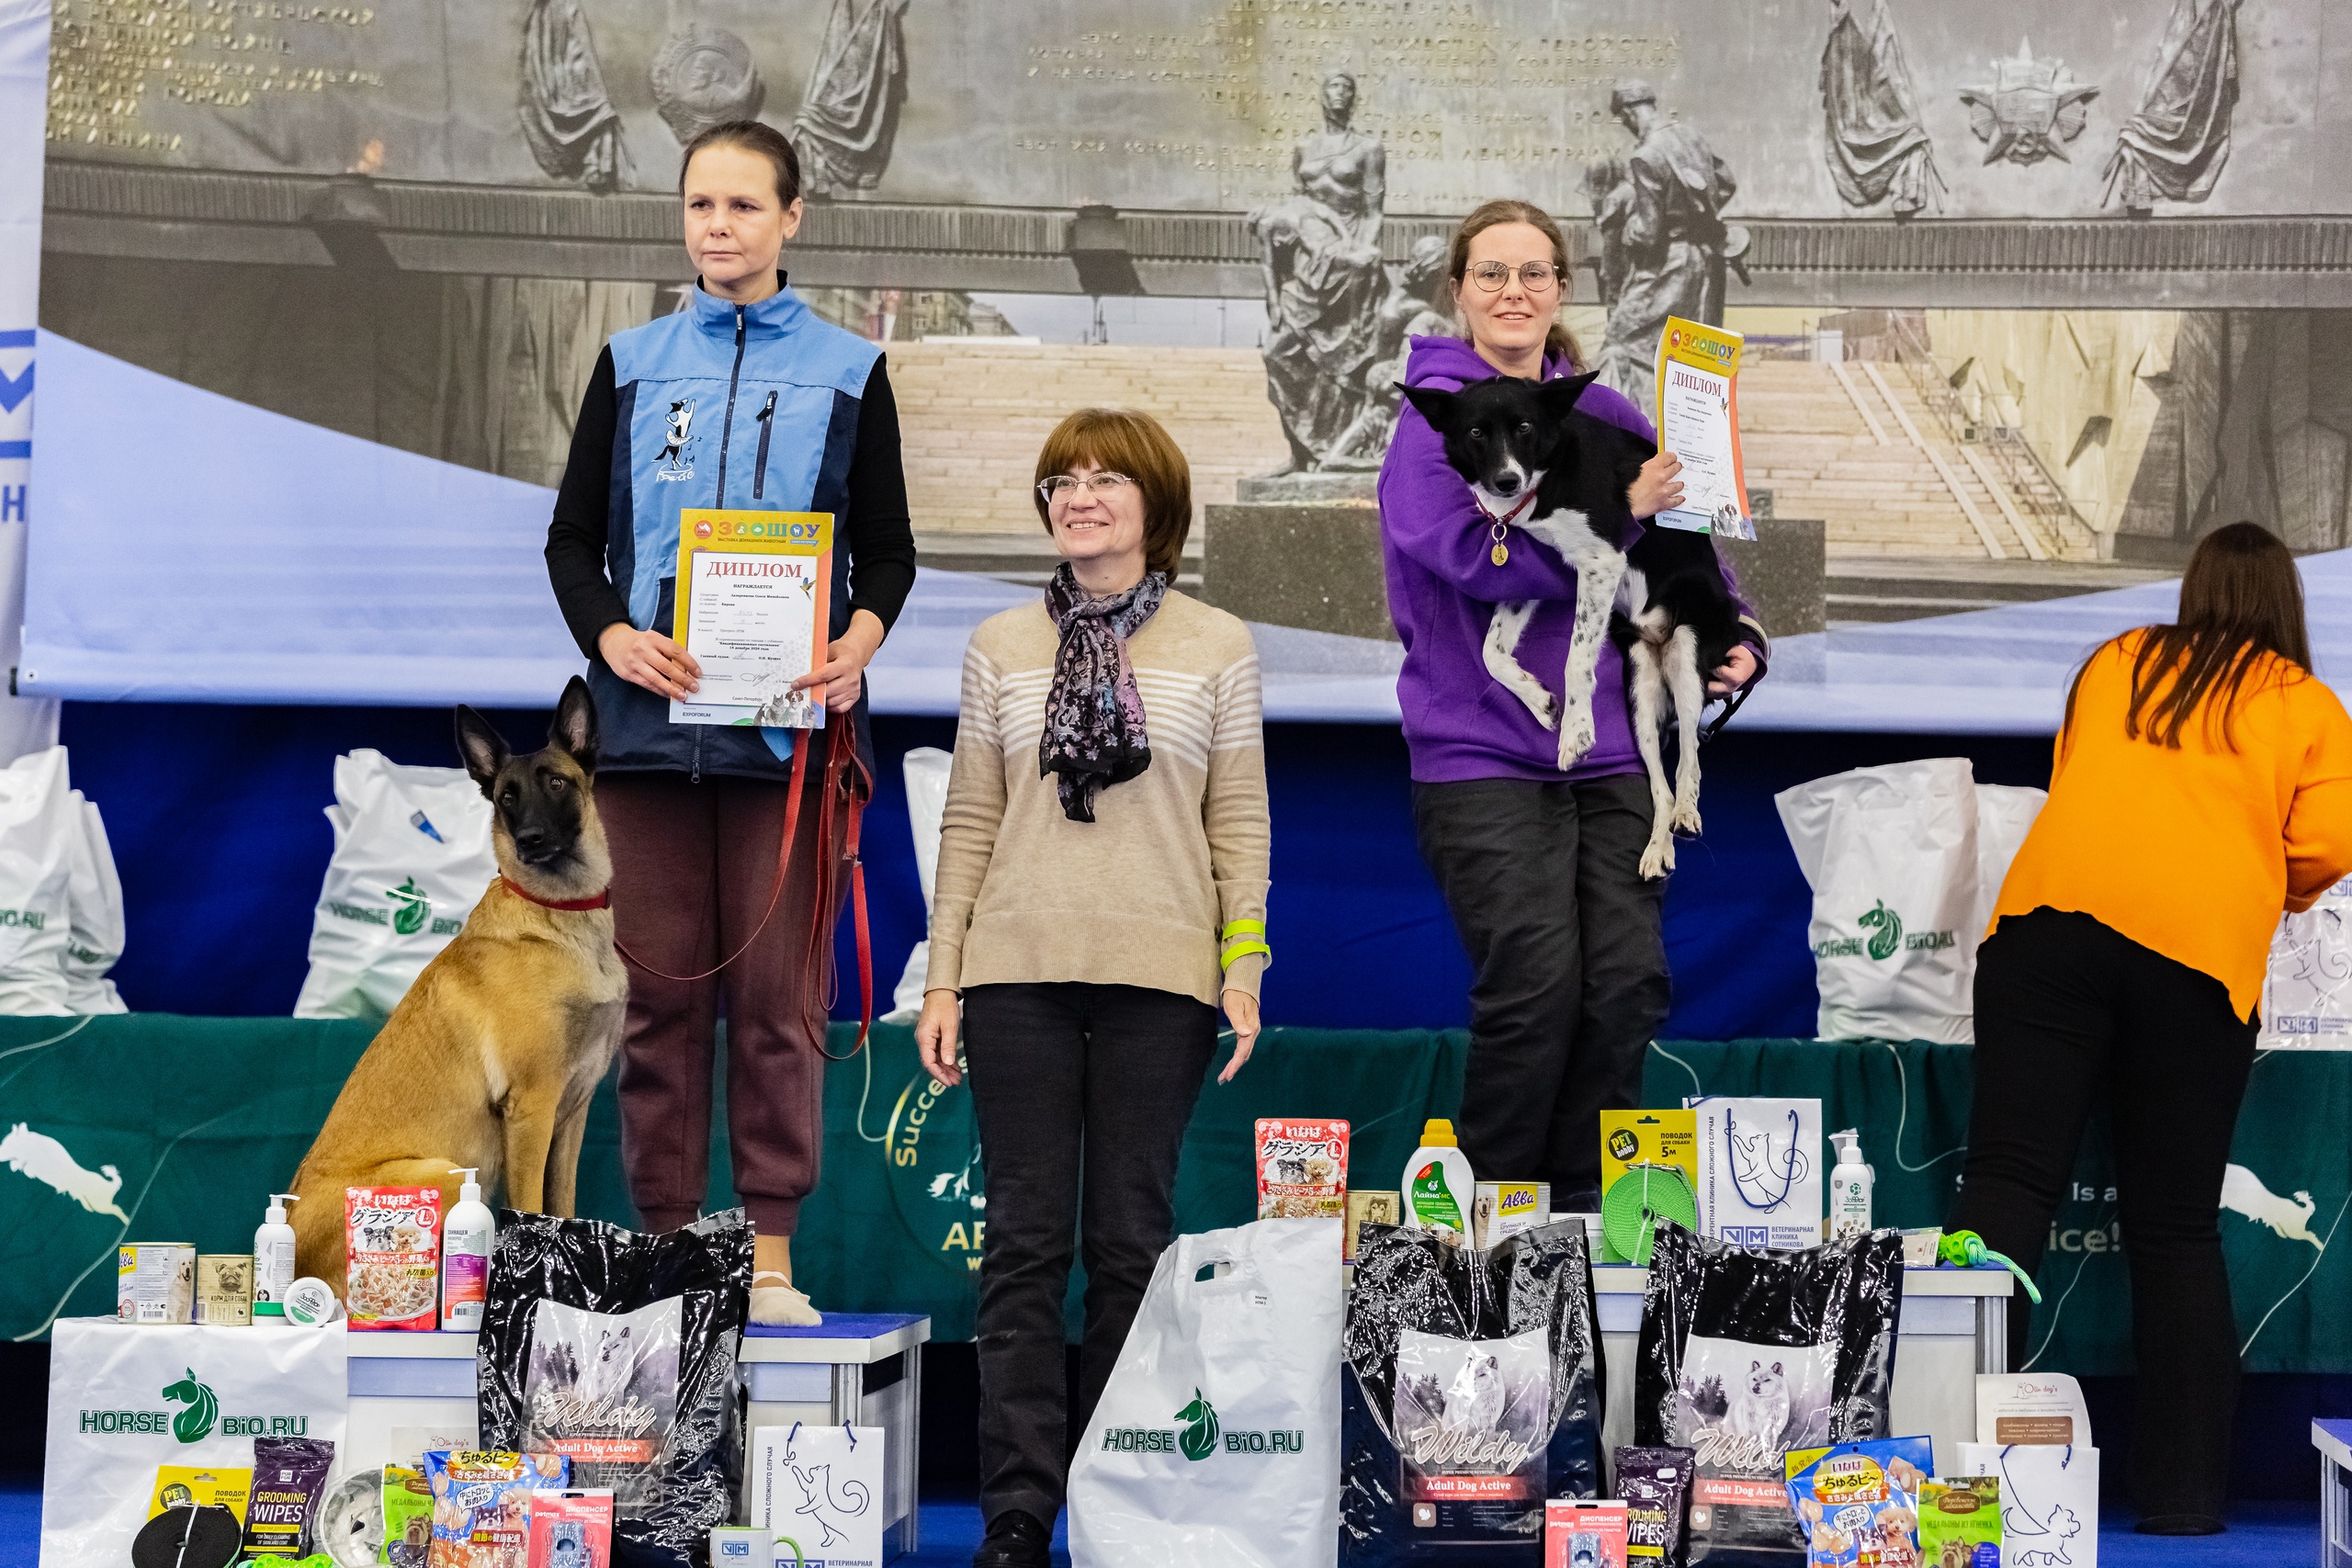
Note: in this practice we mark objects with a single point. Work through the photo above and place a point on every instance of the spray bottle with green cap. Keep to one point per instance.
(1438, 1186)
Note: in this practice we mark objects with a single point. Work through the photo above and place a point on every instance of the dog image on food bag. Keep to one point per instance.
(490, 1060)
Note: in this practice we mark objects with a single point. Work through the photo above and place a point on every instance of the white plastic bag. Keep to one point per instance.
(819, 1489)
(412, 857)
(2005, 815)
(95, 926)
(926, 771)
(2049, 1500)
(42, 840)
(1892, 855)
(1759, 1172)
(127, 1397)
(1218, 1437)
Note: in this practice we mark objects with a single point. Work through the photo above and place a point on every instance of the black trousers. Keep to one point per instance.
(1569, 959)
(2070, 1013)
(1083, 1093)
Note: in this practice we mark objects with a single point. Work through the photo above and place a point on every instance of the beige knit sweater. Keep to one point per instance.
(1142, 894)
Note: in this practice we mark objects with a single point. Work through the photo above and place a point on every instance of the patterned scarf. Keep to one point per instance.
(1094, 733)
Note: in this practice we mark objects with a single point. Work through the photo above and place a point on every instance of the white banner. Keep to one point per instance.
(126, 1398)
(25, 724)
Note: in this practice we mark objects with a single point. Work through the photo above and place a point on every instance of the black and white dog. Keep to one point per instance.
(1561, 476)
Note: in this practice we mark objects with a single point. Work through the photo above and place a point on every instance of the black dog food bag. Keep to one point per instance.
(1471, 1393)
(1655, 1485)
(1747, 1355)
(619, 1350)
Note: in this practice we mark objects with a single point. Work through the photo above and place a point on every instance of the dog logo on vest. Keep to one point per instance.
(675, 464)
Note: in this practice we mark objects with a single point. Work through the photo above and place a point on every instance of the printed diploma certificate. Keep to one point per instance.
(1698, 420)
(751, 593)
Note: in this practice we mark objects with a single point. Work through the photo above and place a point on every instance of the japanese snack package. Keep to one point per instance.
(290, 1477)
(481, 1505)
(1747, 1355)
(1960, 1522)
(1583, 1535)
(392, 1238)
(1857, 1504)
(1654, 1486)
(571, 1529)
(1302, 1169)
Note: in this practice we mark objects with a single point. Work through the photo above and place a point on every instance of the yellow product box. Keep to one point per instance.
(199, 1486)
(1648, 1137)
(1506, 1208)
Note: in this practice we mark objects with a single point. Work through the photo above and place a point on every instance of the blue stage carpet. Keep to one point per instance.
(2259, 1532)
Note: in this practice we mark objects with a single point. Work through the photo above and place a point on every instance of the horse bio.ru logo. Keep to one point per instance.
(1887, 938)
(1198, 1435)
(199, 1411)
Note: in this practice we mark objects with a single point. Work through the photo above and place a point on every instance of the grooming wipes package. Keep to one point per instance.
(1302, 1169)
(1758, 1171)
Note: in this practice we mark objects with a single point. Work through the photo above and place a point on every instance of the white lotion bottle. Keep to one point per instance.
(1850, 1187)
(1438, 1187)
(273, 1251)
(466, 1237)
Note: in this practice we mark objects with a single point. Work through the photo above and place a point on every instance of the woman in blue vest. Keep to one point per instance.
(744, 400)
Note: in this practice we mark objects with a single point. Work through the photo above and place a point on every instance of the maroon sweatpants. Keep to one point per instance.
(693, 864)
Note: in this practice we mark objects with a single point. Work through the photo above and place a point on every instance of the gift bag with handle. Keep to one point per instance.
(1218, 1437)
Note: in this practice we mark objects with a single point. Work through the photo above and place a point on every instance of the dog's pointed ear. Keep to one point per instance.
(483, 750)
(574, 728)
(1560, 394)
(1434, 404)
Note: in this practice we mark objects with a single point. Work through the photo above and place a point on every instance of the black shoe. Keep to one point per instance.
(1015, 1540)
(2181, 1524)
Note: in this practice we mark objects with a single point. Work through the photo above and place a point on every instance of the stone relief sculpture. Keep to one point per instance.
(2174, 144)
(1664, 222)
(1877, 148)
(704, 75)
(568, 118)
(2031, 108)
(849, 115)
(1410, 310)
(1325, 285)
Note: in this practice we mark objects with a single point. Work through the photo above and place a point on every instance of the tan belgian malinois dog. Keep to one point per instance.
(490, 1060)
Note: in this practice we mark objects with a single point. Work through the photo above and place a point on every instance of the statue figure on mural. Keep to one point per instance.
(1325, 285)
(849, 116)
(1410, 310)
(1877, 147)
(569, 121)
(2173, 145)
(1665, 220)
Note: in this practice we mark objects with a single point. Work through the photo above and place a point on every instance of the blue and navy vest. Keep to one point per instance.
(753, 407)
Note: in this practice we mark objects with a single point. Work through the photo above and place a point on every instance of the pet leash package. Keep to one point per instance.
(1858, 1503)
(201, 1486)
(289, 1479)
(1579, 1534)
(1745, 1355)
(1302, 1169)
(571, 1529)
(481, 1505)
(617, 1350)
(1654, 1486)
(1759, 1176)
(392, 1235)
(1960, 1523)
(1471, 1393)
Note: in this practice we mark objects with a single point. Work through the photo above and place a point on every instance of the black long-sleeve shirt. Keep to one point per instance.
(877, 528)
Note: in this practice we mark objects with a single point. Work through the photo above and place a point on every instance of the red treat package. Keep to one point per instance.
(392, 1239)
(571, 1529)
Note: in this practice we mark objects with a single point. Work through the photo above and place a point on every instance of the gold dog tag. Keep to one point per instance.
(1500, 553)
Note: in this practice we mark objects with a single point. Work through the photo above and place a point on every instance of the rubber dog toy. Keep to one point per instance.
(1966, 1249)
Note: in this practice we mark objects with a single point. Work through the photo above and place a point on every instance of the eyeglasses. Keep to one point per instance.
(1064, 487)
(1536, 277)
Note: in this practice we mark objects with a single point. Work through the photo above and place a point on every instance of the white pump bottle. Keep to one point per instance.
(1850, 1187)
(273, 1251)
(466, 1237)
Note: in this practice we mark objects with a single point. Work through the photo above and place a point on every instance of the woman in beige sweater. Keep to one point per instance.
(1102, 888)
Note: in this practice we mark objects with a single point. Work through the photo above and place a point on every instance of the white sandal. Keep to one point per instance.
(780, 1304)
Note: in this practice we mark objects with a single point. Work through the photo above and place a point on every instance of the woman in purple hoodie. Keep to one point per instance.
(1539, 867)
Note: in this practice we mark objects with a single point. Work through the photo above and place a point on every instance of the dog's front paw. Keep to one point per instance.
(1685, 819)
(1658, 859)
(1576, 737)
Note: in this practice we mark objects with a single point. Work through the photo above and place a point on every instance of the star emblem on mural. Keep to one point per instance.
(2031, 108)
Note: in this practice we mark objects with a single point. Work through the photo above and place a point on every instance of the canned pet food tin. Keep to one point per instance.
(154, 1281)
(224, 1289)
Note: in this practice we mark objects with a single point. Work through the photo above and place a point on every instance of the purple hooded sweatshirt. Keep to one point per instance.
(1442, 590)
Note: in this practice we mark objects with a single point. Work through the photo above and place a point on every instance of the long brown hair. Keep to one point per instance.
(1559, 340)
(2240, 600)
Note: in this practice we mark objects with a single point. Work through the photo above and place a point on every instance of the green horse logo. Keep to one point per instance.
(1890, 930)
(193, 1424)
(408, 918)
(1199, 1438)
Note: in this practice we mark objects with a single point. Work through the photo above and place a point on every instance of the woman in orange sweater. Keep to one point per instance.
(2202, 783)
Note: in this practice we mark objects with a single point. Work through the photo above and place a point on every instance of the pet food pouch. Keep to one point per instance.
(1745, 1355)
(1471, 1393)
(392, 1236)
(619, 1350)
(481, 1505)
(571, 1529)
(408, 1517)
(1960, 1522)
(1302, 1169)
(290, 1477)
(1857, 1504)
(1654, 1486)
(1577, 1534)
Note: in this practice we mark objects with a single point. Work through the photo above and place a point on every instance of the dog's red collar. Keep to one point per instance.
(1508, 518)
(600, 901)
